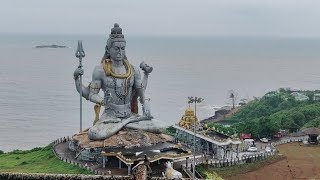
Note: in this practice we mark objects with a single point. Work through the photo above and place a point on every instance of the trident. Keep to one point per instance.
(80, 54)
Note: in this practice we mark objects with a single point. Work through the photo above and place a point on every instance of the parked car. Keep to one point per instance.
(252, 149)
(268, 149)
(265, 140)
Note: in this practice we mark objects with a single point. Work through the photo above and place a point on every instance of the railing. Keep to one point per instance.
(242, 160)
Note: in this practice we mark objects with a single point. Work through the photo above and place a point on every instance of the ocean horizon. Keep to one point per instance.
(39, 103)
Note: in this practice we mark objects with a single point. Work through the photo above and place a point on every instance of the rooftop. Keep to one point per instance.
(156, 152)
(211, 137)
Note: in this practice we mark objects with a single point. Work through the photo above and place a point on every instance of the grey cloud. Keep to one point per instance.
(166, 17)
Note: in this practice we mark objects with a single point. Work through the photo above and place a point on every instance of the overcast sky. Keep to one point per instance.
(297, 18)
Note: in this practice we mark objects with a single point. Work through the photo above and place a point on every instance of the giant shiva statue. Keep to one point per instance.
(122, 85)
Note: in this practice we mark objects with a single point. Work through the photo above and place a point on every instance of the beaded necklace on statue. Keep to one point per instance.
(107, 66)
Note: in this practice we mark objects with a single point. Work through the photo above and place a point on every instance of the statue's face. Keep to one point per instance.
(117, 51)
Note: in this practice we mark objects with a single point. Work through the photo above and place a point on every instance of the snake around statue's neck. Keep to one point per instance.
(107, 66)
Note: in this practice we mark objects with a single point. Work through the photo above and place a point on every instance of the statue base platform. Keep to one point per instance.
(90, 150)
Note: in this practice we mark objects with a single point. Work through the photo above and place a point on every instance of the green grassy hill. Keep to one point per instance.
(274, 111)
(37, 160)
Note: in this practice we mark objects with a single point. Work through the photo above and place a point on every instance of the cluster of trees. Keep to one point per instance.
(274, 111)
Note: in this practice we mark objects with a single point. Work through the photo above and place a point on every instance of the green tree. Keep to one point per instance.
(313, 123)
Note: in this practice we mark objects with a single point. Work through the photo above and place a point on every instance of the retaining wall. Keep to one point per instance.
(38, 176)
(64, 140)
(42, 176)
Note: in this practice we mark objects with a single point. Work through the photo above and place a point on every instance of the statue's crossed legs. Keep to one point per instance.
(115, 117)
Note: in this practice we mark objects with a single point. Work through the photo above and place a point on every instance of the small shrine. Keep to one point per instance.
(188, 119)
(207, 139)
(313, 134)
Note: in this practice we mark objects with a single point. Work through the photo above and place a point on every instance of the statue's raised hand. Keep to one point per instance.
(146, 109)
(77, 73)
(145, 67)
(142, 98)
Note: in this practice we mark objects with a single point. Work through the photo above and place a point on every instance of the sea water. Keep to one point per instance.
(39, 103)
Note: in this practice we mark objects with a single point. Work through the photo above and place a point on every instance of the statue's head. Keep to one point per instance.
(115, 48)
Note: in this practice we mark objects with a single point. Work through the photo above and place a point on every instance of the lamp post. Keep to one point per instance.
(194, 100)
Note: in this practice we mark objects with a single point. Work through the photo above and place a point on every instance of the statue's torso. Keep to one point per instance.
(121, 89)
(120, 92)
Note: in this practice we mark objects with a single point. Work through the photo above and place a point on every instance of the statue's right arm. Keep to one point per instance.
(85, 90)
(90, 92)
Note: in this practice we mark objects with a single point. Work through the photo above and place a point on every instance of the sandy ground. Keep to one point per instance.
(302, 162)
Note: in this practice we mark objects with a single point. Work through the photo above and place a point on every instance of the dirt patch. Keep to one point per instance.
(245, 168)
(301, 162)
(267, 162)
